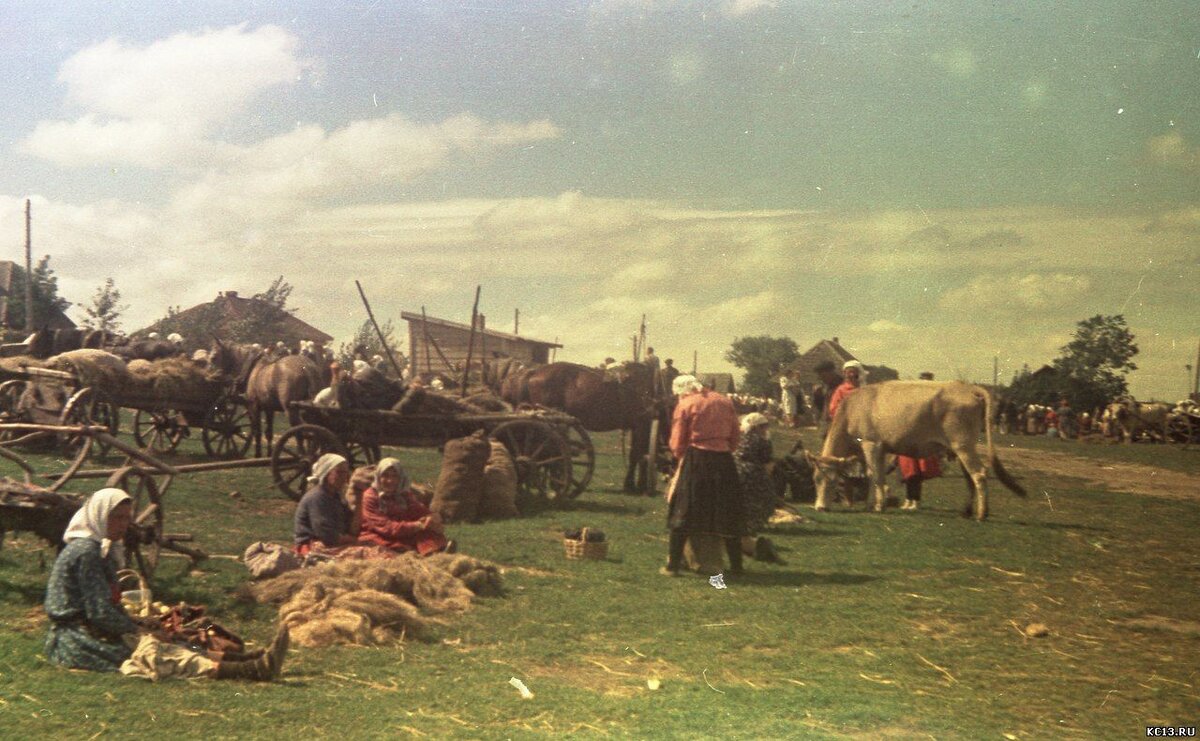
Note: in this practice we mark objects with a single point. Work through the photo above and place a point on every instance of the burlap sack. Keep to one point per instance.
(704, 554)
(460, 484)
(499, 485)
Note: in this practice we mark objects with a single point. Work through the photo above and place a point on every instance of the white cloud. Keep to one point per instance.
(887, 326)
(87, 141)
(1172, 150)
(737, 8)
(1015, 293)
(201, 77)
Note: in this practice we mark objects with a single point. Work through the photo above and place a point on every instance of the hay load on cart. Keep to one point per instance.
(169, 397)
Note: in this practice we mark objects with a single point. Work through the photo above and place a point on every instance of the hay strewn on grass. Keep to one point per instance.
(367, 602)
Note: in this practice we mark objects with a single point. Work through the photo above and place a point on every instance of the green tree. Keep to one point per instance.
(262, 319)
(1093, 365)
(277, 295)
(106, 308)
(46, 301)
(762, 358)
(366, 342)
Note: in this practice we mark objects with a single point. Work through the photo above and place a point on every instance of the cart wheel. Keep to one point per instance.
(543, 461)
(296, 451)
(362, 453)
(159, 431)
(85, 408)
(144, 539)
(226, 432)
(583, 457)
(10, 395)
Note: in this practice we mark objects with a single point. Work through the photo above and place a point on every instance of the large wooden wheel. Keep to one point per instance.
(362, 453)
(294, 454)
(543, 461)
(226, 432)
(85, 407)
(10, 395)
(583, 457)
(143, 541)
(159, 431)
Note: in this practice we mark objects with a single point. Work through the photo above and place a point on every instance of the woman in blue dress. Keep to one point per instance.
(89, 629)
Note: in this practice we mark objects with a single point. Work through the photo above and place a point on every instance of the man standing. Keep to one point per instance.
(822, 392)
(705, 497)
(669, 374)
(913, 471)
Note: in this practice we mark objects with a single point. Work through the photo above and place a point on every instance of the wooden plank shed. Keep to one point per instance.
(453, 338)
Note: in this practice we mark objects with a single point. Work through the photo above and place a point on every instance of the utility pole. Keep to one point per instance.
(995, 371)
(1196, 382)
(28, 268)
(516, 321)
(695, 357)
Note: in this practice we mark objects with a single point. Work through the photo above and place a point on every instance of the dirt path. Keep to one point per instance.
(1131, 477)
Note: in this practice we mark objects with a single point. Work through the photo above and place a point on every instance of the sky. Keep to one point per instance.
(938, 185)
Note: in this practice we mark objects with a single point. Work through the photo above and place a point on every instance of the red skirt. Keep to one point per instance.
(925, 468)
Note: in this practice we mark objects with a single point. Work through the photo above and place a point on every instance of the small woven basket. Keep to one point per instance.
(580, 549)
(135, 601)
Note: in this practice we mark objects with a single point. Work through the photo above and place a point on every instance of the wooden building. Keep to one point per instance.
(233, 317)
(825, 350)
(435, 343)
(9, 272)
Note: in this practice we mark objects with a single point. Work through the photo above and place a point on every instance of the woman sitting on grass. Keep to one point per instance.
(393, 517)
(323, 520)
(89, 629)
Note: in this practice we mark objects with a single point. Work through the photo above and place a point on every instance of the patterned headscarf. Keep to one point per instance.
(383, 465)
(323, 466)
(91, 521)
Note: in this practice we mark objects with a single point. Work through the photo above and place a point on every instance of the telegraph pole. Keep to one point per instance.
(28, 268)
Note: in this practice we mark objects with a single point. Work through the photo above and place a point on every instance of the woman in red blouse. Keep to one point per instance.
(393, 517)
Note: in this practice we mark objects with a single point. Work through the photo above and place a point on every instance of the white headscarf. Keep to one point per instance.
(684, 384)
(323, 466)
(752, 420)
(175, 337)
(862, 371)
(91, 521)
(392, 463)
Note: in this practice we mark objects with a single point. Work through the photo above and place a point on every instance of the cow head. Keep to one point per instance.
(827, 470)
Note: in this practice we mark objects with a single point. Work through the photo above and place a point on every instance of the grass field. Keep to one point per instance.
(902, 625)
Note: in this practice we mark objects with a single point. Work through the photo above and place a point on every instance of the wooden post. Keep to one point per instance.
(28, 267)
(425, 333)
(1196, 383)
(516, 321)
(470, 342)
(695, 356)
(370, 314)
(554, 350)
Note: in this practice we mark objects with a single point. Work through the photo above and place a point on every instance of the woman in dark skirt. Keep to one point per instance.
(706, 496)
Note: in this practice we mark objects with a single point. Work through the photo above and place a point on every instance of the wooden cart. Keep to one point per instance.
(553, 453)
(46, 509)
(159, 424)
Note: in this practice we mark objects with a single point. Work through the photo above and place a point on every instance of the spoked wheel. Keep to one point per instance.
(583, 457)
(296, 451)
(144, 539)
(226, 431)
(362, 453)
(85, 408)
(159, 431)
(543, 461)
(10, 395)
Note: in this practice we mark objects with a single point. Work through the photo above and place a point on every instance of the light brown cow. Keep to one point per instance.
(914, 418)
(1135, 417)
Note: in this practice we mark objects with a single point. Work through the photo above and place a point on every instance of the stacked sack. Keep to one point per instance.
(478, 480)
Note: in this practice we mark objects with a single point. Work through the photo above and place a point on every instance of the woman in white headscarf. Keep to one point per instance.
(90, 630)
(393, 517)
(322, 517)
(752, 455)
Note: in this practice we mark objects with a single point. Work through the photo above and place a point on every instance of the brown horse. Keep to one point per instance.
(619, 399)
(269, 384)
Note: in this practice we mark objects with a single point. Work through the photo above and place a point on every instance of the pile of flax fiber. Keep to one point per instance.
(369, 602)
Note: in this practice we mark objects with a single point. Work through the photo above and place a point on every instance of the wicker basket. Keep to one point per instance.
(135, 601)
(581, 549)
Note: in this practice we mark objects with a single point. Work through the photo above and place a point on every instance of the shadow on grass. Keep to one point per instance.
(32, 594)
(584, 505)
(799, 579)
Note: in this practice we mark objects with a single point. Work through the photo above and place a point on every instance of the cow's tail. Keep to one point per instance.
(994, 460)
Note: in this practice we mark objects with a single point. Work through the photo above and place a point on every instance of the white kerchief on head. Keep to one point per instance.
(684, 384)
(323, 466)
(91, 521)
(394, 464)
(752, 420)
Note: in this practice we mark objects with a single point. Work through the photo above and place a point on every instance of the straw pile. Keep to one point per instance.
(15, 367)
(369, 602)
(96, 368)
(172, 379)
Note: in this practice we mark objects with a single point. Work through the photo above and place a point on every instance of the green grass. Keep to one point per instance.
(840, 642)
(1172, 457)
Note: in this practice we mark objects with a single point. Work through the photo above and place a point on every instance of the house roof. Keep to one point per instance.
(409, 316)
(233, 307)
